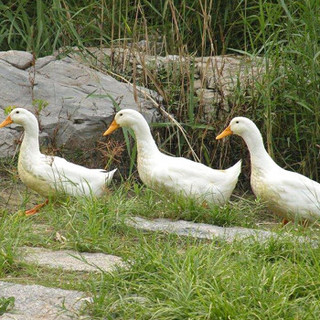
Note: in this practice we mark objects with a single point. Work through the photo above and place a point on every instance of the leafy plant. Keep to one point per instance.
(6, 304)
(8, 109)
(39, 105)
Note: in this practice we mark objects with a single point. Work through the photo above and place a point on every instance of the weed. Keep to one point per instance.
(6, 304)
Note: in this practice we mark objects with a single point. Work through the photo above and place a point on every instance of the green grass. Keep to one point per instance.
(42, 26)
(168, 276)
(273, 280)
(11, 235)
(98, 224)
(6, 304)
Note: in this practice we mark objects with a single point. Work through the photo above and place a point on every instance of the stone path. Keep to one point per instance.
(34, 302)
(196, 230)
(206, 231)
(71, 260)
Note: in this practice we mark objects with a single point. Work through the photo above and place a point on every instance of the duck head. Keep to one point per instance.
(19, 116)
(125, 118)
(239, 126)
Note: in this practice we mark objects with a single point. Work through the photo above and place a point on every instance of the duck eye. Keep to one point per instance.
(237, 121)
(121, 114)
(17, 111)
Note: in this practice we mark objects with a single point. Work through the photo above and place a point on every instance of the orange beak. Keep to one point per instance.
(113, 126)
(227, 131)
(6, 122)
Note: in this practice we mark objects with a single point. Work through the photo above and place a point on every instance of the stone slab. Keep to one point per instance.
(70, 260)
(34, 302)
(19, 59)
(207, 231)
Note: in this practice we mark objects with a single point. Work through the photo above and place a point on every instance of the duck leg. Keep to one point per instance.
(36, 208)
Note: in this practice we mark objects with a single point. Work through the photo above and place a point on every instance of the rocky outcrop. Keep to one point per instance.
(74, 103)
(217, 79)
(222, 77)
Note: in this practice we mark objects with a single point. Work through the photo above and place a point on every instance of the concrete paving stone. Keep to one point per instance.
(34, 302)
(70, 260)
(208, 231)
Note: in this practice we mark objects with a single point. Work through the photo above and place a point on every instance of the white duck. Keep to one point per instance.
(49, 175)
(286, 193)
(176, 175)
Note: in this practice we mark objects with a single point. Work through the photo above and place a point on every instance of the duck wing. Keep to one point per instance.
(73, 179)
(295, 193)
(181, 174)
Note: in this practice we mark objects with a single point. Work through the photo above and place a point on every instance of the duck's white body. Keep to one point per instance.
(173, 174)
(288, 194)
(49, 175)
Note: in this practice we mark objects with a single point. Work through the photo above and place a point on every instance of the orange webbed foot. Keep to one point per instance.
(34, 210)
(284, 222)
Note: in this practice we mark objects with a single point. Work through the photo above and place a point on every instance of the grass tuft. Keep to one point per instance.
(207, 281)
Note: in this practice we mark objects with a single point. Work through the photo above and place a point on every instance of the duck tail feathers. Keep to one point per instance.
(109, 174)
(235, 169)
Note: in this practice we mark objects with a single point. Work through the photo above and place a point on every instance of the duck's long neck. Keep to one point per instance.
(30, 143)
(260, 159)
(145, 143)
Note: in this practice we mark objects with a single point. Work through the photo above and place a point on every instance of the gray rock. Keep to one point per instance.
(224, 73)
(74, 102)
(71, 260)
(206, 231)
(34, 302)
(197, 84)
(220, 73)
(18, 59)
(41, 62)
(8, 139)
(209, 99)
(206, 95)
